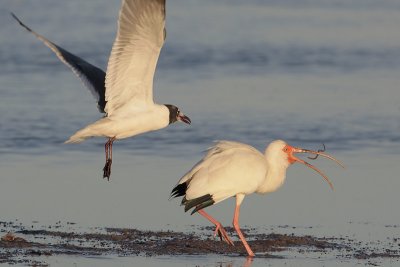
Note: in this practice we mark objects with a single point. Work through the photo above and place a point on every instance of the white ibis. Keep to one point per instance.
(231, 169)
(125, 92)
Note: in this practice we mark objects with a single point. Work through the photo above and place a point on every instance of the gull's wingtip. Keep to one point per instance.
(15, 17)
(20, 22)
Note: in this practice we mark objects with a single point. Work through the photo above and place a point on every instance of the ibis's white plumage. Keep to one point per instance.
(231, 169)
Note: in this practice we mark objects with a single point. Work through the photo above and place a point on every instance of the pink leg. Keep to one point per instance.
(219, 229)
(237, 228)
(248, 262)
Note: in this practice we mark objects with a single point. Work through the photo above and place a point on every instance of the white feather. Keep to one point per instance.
(133, 59)
(231, 168)
(129, 80)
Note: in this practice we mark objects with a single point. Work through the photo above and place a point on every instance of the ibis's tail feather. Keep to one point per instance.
(179, 190)
(200, 203)
(203, 205)
(196, 203)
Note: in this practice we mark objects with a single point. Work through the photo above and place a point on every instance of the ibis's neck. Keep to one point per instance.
(275, 176)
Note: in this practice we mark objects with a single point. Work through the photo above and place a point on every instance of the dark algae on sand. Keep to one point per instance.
(24, 245)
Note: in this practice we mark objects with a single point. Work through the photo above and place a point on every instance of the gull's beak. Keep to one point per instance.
(183, 118)
(290, 150)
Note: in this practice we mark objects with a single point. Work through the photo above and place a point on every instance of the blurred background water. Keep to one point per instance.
(305, 71)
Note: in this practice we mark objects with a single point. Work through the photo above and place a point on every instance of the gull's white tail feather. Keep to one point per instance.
(75, 140)
(79, 136)
(99, 128)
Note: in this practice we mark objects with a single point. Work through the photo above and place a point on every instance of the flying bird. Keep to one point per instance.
(125, 92)
(232, 169)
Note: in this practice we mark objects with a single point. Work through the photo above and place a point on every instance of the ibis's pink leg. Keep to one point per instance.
(248, 262)
(239, 199)
(219, 229)
(108, 151)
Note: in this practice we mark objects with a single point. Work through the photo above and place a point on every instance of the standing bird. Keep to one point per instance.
(231, 169)
(125, 92)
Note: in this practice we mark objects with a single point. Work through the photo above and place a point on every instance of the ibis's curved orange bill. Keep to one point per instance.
(290, 150)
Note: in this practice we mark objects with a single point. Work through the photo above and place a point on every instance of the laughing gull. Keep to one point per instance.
(232, 169)
(125, 92)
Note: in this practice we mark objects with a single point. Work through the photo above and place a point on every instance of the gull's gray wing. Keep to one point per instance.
(91, 76)
(134, 56)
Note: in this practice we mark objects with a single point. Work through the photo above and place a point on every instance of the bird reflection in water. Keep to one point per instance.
(247, 263)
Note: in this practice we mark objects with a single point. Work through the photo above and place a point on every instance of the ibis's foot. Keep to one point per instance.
(107, 169)
(249, 261)
(222, 234)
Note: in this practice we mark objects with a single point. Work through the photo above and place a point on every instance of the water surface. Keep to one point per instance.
(308, 72)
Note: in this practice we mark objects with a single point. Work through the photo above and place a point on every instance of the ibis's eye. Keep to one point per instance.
(285, 149)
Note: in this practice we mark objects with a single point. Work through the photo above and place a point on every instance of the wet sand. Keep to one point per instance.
(25, 245)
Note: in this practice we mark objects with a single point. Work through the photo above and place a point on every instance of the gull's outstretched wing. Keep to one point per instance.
(91, 76)
(133, 59)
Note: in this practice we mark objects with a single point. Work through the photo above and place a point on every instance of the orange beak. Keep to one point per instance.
(290, 150)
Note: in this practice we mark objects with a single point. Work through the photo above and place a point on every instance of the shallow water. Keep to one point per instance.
(307, 71)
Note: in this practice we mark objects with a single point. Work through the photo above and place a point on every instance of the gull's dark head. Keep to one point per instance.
(176, 115)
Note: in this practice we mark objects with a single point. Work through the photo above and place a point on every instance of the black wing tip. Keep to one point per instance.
(179, 190)
(196, 203)
(199, 203)
(203, 205)
(94, 77)
(101, 104)
(20, 22)
(14, 16)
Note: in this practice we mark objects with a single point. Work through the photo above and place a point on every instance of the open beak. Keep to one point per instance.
(292, 159)
(183, 118)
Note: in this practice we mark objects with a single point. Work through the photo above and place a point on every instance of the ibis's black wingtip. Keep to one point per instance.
(179, 190)
(199, 203)
(203, 205)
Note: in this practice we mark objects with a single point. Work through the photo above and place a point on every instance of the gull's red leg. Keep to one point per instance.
(219, 228)
(106, 148)
(108, 151)
(111, 144)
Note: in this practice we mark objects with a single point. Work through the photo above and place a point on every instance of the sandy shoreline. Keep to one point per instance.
(25, 245)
